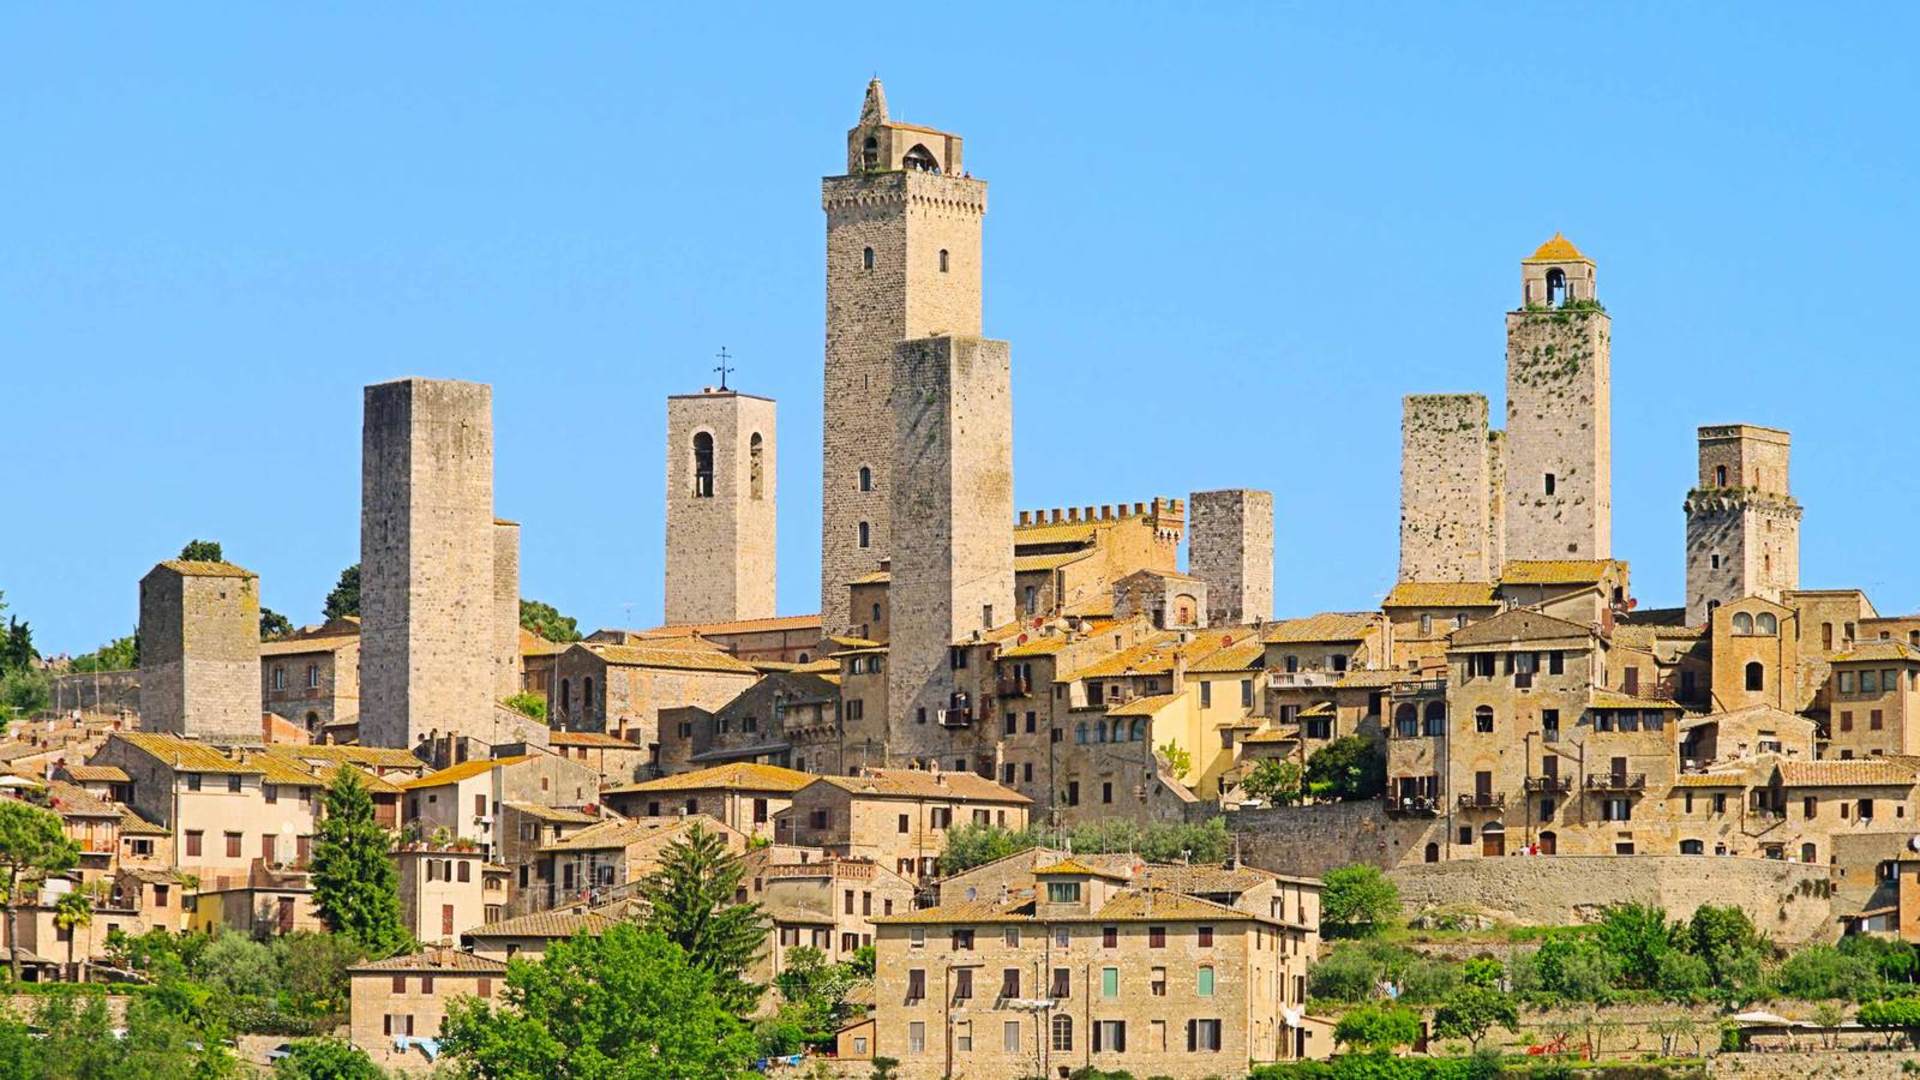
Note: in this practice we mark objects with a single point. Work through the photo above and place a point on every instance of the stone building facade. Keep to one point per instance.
(427, 542)
(1446, 489)
(952, 559)
(312, 678)
(1743, 525)
(720, 507)
(200, 651)
(1230, 548)
(1559, 459)
(903, 262)
(506, 609)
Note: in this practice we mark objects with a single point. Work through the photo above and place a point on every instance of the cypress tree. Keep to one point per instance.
(355, 885)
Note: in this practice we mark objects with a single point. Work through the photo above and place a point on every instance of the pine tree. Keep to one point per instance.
(355, 885)
(690, 901)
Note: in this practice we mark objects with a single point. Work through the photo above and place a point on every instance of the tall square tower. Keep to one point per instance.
(1559, 462)
(506, 608)
(952, 567)
(428, 604)
(1743, 525)
(720, 507)
(1230, 547)
(200, 651)
(903, 261)
(1448, 489)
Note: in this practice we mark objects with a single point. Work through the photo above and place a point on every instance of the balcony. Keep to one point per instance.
(1407, 688)
(1484, 800)
(956, 718)
(1282, 680)
(1549, 785)
(1410, 805)
(1617, 782)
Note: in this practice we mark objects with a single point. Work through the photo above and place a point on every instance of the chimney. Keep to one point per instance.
(1179, 670)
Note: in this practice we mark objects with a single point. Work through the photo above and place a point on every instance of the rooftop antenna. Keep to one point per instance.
(723, 367)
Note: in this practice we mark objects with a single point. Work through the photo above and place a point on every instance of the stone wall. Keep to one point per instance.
(426, 561)
(200, 651)
(506, 609)
(1230, 547)
(1311, 840)
(95, 691)
(720, 538)
(1444, 488)
(1559, 424)
(1813, 1065)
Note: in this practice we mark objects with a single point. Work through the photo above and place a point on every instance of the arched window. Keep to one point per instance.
(1557, 287)
(313, 721)
(866, 259)
(1483, 719)
(1140, 729)
(566, 694)
(1742, 623)
(1100, 731)
(1080, 734)
(754, 481)
(1756, 676)
(1432, 853)
(1712, 606)
(921, 159)
(1719, 476)
(1435, 722)
(866, 535)
(870, 154)
(943, 260)
(586, 696)
(866, 478)
(703, 465)
(1766, 623)
(1406, 720)
(1062, 1031)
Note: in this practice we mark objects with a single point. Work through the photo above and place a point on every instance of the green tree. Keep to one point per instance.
(344, 600)
(239, 967)
(1275, 781)
(545, 620)
(1819, 972)
(16, 647)
(813, 994)
(690, 902)
(1179, 761)
(355, 885)
(1348, 769)
(530, 704)
(1636, 936)
(273, 624)
(72, 911)
(120, 654)
(1356, 901)
(1377, 1029)
(884, 1068)
(1725, 939)
(1471, 1011)
(627, 1004)
(24, 691)
(327, 1059)
(972, 845)
(202, 551)
(19, 1051)
(1897, 961)
(32, 845)
(313, 972)
(1484, 972)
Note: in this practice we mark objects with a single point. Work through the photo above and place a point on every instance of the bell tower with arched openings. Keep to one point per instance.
(1559, 457)
(721, 500)
(903, 262)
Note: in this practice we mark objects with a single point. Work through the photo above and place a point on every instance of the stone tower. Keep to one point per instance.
(428, 595)
(200, 651)
(506, 608)
(1743, 525)
(903, 262)
(1449, 489)
(1559, 501)
(952, 567)
(720, 507)
(1230, 547)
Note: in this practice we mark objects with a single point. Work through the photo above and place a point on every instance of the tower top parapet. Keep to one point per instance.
(879, 144)
(1555, 275)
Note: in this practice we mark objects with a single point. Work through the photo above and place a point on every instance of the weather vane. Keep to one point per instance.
(723, 367)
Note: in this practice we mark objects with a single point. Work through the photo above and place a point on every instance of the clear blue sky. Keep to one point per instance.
(1223, 240)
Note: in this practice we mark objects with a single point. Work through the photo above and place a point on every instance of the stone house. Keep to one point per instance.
(826, 904)
(464, 800)
(311, 678)
(791, 639)
(444, 891)
(590, 863)
(748, 798)
(1873, 700)
(787, 719)
(522, 830)
(266, 902)
(1422, 615)
(396, 1006)
(620, 689)
(898, 817)
(1582, 591)
(530, 936)
(616, 760)
(1756, 654)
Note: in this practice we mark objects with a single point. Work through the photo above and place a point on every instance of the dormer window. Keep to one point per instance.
(1063, 892)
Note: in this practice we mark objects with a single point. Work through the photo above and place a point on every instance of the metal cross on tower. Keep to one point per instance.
(723, 367)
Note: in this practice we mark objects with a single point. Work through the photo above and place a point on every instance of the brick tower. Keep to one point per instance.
(200, 651)
(720, 507)
(428, 604)
(1448, 489)
(1559, 502)
(1230, 547)
(952, 567)
(903, 261)
(1743, 525)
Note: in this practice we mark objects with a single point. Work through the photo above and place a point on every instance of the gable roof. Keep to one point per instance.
(737, 776)
(1145, 706)
(593, 740)
(621, 833)
(435, 960)
(183, 755)
(923, 784)
(672, 659)
(1326, 626)
(1878, 651)
(1517, 625)
(1448, 594)
(1556, 571)
(544, 924)
(1850, 772)
(466, 770)
(198, 568)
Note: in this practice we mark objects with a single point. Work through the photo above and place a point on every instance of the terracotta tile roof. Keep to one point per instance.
(1558, 249)
(736, 626)
(1071, 865)
(1154, 904)
(1064, 532)
(1145, 706)
(382, 757)
(1371, 678)
(132, 824)
(279, 769)
(1052, 561)
(1730, 778)
(924, 784)
(1173, 877)
(1272, 737)
(671, 659)
(196, 568)
(1449, 594)
(85, 774)
(1155, 655)
(466, 770)
(186, 755)
(1880, 771)
(591, 740)
(378, 785)
(738, 776)
(544, 924)
(825, 668)
(619, 834)
(532, 644)
(1015, 909)
(1516, 626)
(1326, 626)
(1317, 709)
(294, 646)
(849, 642)
(72, 800)
(1606, 699)
(557, 814)
(1243, 655)
(434, 960)
(1556, 571)
(1878, 650)
(1750, 714)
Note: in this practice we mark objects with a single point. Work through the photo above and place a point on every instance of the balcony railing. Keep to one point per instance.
(1550, 784)
(1617, 782)
(1415, 805)
(1483, 800)
(1304, 678)
(956, 718)
(1419, 687)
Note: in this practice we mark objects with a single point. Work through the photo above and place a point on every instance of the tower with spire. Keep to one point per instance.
(903, 262)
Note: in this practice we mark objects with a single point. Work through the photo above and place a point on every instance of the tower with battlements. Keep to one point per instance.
(1743, 525)
(1559, 461)
(720, 507)
(903, 262)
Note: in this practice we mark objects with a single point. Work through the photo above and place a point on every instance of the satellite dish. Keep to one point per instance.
(1021, 640)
